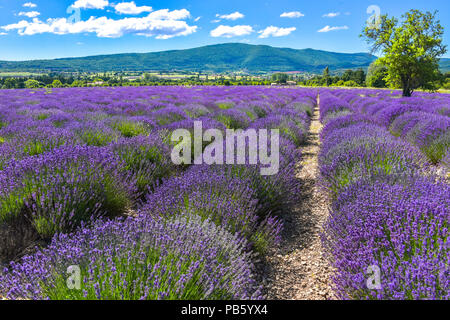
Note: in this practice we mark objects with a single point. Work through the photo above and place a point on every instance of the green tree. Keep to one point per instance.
(280, 77)
(32, 84)
(57, 84)
(350, 83)
(326, 76)
(446, 81)
(77, 83)
(411, 49)
(10, 83)
(376, 74)
(359, 76)
(446, 84)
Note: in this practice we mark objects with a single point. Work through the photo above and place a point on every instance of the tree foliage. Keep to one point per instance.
(411, 48)
(280, 77)
(326, 76)
(32, 84)
(357, 76)
(57, 84)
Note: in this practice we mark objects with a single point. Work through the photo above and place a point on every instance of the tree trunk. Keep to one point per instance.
(407, 90)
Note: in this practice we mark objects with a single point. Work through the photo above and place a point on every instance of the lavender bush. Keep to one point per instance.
(386, 220)
(330, 104)
(217, 196)
(140, 258)
(58, 190)
(146, 159)
(364, 150)
(402, 228)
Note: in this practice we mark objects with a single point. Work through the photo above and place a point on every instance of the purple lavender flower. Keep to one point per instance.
(58, 190)
(147, 258)
(401, 228)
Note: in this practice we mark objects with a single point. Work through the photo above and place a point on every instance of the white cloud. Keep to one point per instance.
(165, 14)
(197, 19)
(161, 24)
(31, 14)
(3, 33)
(331, 14)
(276, 32)
(293, 14)
(131, 8)
(19, 25)
(232, 16)
(29, 5)
(90, 4)
(328, 28)
(230, 32)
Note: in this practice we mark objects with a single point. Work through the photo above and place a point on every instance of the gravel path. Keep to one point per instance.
(297, 270)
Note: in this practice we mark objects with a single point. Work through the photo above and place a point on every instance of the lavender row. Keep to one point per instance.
(423, 120)
(83, 163)
(387, 234)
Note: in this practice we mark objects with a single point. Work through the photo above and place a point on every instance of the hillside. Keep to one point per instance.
(445, 65)
(214, 58)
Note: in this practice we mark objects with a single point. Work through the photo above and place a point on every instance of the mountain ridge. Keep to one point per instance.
(228, 57)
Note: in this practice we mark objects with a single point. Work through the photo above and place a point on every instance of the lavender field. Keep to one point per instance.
(88, 188)
(384, 161)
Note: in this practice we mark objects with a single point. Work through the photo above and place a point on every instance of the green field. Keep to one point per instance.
(19, 74)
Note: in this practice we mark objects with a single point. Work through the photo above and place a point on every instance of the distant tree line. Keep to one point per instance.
(375, 78)
(350, 78)
(61, 81)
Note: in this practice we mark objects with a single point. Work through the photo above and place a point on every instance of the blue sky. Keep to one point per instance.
(91, 27)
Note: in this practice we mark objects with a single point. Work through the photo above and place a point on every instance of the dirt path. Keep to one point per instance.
(297, 270)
